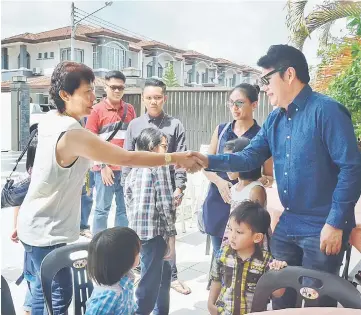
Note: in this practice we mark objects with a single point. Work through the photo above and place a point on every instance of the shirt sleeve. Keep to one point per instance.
(252, 157)
(215, 274)
(164, 198)
(339, 138)
(103, 304)
(129, 144)
(92, 122)
(180, 175)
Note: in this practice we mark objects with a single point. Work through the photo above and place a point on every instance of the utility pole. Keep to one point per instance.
(72, 35)
(74, 24)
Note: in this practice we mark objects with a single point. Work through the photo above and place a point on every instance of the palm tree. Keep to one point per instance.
(323, 16)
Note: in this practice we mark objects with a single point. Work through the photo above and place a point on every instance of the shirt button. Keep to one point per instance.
(285, 191)
(287, 155)
(287, 208)
(289, 119)
(296, 109)
(288, 137)
(286, 173)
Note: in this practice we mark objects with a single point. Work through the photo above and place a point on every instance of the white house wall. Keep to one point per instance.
(134, 57)
(13, 53)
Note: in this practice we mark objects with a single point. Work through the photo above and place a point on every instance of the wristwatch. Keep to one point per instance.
(167, 159)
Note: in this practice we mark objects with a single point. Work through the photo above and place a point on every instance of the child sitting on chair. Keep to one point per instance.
(112, 254)
(241, 261)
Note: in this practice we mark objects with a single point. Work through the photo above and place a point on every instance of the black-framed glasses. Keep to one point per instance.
(237, 103)
(116, 87)
(265, 79)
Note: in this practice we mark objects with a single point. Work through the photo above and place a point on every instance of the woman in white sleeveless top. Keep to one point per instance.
(248, 187)
(50, 214)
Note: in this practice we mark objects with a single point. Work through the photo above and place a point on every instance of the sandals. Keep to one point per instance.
(180, 287)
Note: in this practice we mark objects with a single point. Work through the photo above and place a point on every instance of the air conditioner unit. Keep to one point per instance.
(37, 71)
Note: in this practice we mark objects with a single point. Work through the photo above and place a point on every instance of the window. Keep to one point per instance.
(65, 54)
(52, 55)
(204, 78)
(45, 55)
(189, 75)
(149, 71)
(160, 72)
(114, 57)
(129, 62)
(40, 55)
(197, 77)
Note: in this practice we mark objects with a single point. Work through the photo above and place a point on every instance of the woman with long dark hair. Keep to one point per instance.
(243, 100)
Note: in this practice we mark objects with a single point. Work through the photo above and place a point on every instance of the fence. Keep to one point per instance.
(200, 110)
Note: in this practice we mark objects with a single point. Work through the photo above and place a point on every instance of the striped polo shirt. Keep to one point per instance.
(103, 120)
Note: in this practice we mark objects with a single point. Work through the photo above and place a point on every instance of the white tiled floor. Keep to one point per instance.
(193, 266)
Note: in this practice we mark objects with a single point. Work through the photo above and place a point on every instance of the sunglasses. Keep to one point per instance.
(116, 87)
(265, 79)
(237, 103)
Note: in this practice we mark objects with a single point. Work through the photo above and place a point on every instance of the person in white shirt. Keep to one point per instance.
(50, 214)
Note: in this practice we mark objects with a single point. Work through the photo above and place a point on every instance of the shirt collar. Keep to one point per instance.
(302, 97)
(258, 254)
(109, 106)
(126, 280)
(158, 118)
(250, 129)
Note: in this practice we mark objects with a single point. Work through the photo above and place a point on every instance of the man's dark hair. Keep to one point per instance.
(251, 91)
(149, 139)
(68, 76)
(285, 56)
(112, 254)
(252, 214)
(116, 75)
(156, 83)
(237, 145)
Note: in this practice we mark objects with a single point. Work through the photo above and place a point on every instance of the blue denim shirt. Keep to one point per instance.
(317, 162)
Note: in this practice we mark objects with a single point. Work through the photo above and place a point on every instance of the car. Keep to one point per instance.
(36, 112)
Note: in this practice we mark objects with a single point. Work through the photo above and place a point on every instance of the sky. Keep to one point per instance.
(240, 31)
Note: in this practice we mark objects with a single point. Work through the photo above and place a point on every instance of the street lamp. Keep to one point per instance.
(74, 24)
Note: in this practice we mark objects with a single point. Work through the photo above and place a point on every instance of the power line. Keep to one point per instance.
(108, 24)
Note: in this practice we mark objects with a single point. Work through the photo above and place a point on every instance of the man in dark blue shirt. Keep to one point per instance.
(317, 165)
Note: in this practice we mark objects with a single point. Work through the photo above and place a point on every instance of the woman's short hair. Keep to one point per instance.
(112, 254)
(149, 139)
(237, 145)
(68, 76)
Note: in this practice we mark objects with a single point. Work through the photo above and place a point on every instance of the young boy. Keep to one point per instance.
(241, 262)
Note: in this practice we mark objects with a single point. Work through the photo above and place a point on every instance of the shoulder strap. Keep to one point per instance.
(120, 123)
(221, 135)
(32, 135)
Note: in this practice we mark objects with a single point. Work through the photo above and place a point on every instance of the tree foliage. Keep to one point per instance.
(169, 77)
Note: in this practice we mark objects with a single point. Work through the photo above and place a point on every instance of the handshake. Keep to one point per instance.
(191, 161)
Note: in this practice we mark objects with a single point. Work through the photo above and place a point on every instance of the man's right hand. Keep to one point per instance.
(107, 176)
(224, 188)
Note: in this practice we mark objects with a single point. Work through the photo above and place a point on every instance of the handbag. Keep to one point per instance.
(13, 194)
(200, 221)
